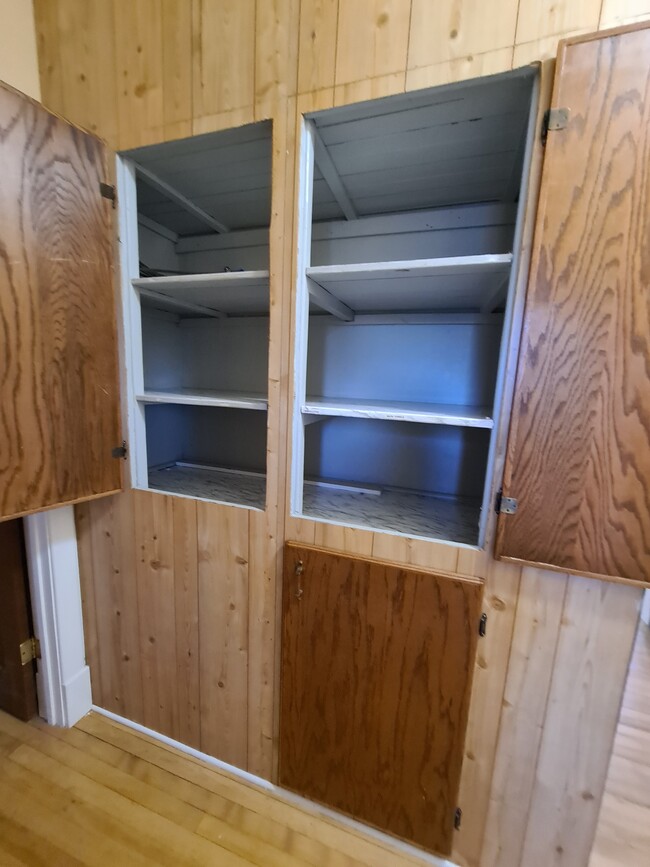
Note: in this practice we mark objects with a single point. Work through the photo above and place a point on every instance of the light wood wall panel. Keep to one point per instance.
(539, 18)
(317, 46)
(448, 30)
(235, 66)
(372, 39)
(223, 52)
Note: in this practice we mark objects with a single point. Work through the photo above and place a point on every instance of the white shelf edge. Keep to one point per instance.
(231, 400)
(442, 414)
(177, 281)
(410, 265)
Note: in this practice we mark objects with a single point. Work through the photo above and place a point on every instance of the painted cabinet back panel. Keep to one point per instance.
(59, 394)
(377, 665)
(580, 434)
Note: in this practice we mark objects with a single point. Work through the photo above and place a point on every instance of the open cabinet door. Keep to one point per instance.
(578, 459)
(59, 396)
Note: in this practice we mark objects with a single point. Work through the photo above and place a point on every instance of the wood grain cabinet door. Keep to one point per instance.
(377, 665)
(59, 397)
(578, 459)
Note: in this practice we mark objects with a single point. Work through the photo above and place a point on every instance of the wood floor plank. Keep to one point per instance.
(31, 848)
(168, 843)
(217, 828)
(316, 825)
(59, 821)
(248, 821)
(623, 831)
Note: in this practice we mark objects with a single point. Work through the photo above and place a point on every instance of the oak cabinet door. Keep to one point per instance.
(59, 397)
(377, 664)
(578, 459)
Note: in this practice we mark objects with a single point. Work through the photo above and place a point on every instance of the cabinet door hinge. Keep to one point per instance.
(554, 119)
(458, 817)
(119, 451)
(108, 192)
(505, 505)
(482, 625)
(29, 650)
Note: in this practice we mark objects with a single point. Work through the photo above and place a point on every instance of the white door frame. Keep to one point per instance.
(62, 676)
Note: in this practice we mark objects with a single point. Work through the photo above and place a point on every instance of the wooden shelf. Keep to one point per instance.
(211, 483)
(205, 397)
(465, 283)
(221, 294)
(396, 511)
(426, 413)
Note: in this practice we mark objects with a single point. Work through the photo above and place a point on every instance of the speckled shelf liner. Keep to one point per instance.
(211, 484)
(412, 514)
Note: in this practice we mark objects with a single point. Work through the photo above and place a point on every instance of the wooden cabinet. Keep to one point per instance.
(377, 664)
(578, 455)
(59, 393)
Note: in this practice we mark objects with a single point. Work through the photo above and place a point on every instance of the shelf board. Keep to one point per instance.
(402, 512)
(469, 283)
(220, 294)
(426, 413)
(205, 397)
(211, 483)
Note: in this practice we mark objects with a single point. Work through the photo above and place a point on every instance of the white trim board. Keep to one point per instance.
(63, 678)
(393, 844)
(424, 413)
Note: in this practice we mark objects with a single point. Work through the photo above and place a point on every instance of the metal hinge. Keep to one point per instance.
(119, 451)
(458, 817)
(505, 505)
(108, 192)
(29, 650)
(554, 119)
(482, 625)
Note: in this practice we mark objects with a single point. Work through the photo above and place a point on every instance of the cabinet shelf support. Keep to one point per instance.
(329, 172)
(327, 301)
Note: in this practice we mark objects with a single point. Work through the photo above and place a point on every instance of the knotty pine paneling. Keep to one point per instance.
(430, 57)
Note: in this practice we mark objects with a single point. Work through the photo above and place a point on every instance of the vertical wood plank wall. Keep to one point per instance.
(181, 598)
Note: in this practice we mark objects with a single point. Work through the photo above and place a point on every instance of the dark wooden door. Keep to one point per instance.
(17, 684)
(377, 665)
(578, 459)
(59, 397)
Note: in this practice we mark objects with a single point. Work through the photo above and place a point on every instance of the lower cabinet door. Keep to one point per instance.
(377, 664)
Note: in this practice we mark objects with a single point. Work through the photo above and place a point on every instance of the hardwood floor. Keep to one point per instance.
(623, 833)
(102, 794)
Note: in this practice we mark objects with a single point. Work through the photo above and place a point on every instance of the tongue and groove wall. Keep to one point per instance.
(181, 599)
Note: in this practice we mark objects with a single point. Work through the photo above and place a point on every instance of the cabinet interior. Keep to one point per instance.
(194, 226)
(408, 236)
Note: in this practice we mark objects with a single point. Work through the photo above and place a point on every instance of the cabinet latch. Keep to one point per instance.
(107, 191)
(119, 451)
(29, 650)
(458, 818)
(482, 625)
(554, 119)
(505, 505)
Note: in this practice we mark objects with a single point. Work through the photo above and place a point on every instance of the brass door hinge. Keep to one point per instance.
(29, 650)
